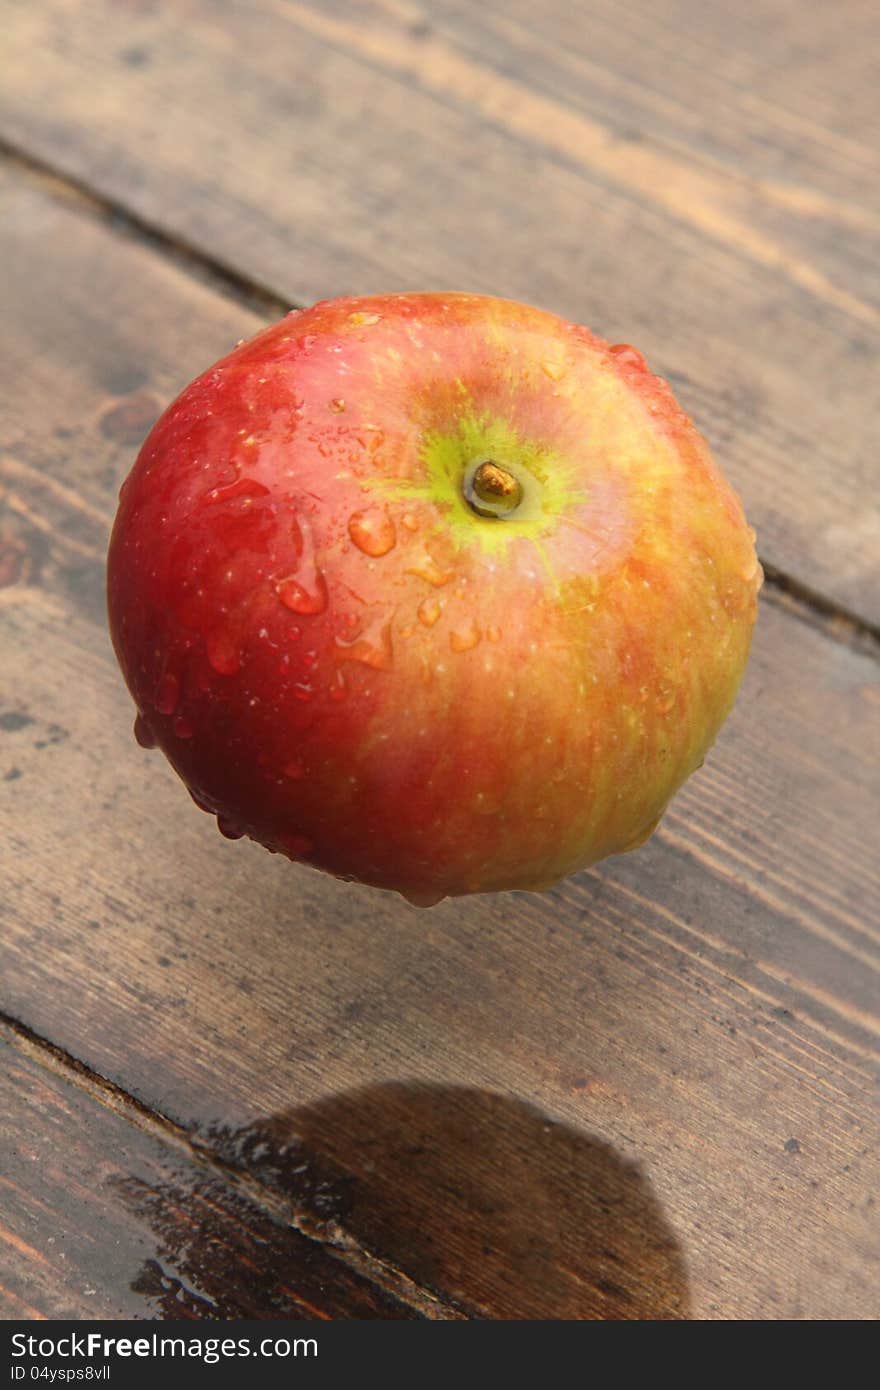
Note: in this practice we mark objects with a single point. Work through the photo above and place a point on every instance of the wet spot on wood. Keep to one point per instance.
(12, 720)
(576, 1230)
(54, 734)
(129, 419)
(169, 1295)
(136, 57)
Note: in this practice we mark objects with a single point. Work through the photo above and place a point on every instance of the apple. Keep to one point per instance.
(438, 592)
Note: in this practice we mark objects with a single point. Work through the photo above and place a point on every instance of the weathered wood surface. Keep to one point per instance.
(101, 1219)
(650, 1092)
(702, 180)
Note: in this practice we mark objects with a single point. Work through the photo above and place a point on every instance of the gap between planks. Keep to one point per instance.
(332, 1237)
(224, 279)
(784, 590)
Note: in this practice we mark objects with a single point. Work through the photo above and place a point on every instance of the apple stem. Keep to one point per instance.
(493, 490)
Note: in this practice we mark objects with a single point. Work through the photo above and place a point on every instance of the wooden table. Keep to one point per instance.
(235, 1087)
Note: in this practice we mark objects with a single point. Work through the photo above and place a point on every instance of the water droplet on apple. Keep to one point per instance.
(555, 370)
(229, 828)
(244, 488)
(183, 727)
(426, 567)
(628, 356)
(372, 647)
(465, 637)
(429, 611)
(303, 691)
(302, 599)
(143, 733)
(222, 652)
(305, 590)
(338, 688)
(372, 531)
(422, 897)
(167, 693)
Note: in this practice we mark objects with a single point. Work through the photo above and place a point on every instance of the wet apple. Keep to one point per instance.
(438, 592)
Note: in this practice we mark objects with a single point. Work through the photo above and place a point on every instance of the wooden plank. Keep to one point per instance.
(690, 1031)
(700, 181)
(102, 1220)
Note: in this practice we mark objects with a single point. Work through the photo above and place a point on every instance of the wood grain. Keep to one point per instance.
(649, 1091)
(702, 182)
(101, 1220)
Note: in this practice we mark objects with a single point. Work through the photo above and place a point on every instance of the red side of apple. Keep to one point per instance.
(345, 660)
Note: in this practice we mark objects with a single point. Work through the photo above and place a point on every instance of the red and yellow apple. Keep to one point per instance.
(438, 592)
